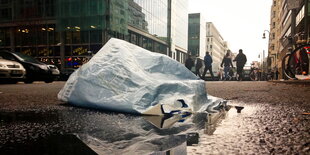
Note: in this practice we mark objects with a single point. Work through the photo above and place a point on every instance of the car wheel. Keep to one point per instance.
(28, 81)
(13, 81)
(48, 80)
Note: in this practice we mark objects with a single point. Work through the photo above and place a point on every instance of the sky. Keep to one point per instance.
(240, 22)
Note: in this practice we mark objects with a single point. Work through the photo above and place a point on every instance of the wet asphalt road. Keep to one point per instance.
(272, 122)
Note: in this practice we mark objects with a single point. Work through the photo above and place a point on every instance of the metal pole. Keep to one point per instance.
(267, 47)
(169, 27)
(307, 27)
(263, 64)
(62, 50)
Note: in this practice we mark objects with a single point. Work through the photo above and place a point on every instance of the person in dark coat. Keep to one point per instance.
(227, 64)
(208, 65)
(189, 63)
(198, 67)
(240, 62)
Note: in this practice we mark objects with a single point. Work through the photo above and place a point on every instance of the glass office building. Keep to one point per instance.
(68, 32)
(179, 22)
(147, 24)
(193, 33)
(196, 35)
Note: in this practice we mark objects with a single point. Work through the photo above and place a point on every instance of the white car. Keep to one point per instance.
(55, 71)
(11, 71)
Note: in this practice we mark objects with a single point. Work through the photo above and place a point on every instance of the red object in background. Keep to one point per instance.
(307, 48)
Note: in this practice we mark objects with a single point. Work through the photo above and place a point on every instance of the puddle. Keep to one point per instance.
(53, 144)
(105, 133)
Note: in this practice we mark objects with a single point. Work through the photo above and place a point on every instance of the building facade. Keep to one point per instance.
(196, 35)
(68, 32)
(178, 29)
(216, 46)
(288, 18)
(274, 45)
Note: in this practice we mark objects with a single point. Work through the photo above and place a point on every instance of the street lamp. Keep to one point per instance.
(276, 55)
(264, 35)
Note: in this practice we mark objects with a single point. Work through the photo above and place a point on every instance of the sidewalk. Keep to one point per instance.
(300, 82)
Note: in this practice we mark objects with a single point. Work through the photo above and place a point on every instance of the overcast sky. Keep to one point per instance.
(240, 22)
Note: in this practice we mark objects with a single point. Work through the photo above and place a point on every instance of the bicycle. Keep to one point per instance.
(270, 76)
(295, 64)
(254, 73)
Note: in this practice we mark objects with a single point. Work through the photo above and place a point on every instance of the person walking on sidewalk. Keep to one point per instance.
(189, 63)
(198, 66)
(227, 64)
(208, 66)
(241, 60)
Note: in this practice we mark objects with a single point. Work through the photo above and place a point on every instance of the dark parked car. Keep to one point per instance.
(35, 70)
(65, 74)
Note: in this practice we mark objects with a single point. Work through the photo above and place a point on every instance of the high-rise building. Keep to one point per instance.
(274, 33)
(196, 35)
(68, 32)
(178, 15)
(273, 45)
(216, 46)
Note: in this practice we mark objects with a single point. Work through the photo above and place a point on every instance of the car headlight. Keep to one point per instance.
(44, 67)
(2, 66)
(52, 67)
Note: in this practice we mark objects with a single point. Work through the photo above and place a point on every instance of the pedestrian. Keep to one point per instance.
(227, 64)
(232, 73)
(198, 67)
(277, 74)
(189, 63)
(208, 66)
(240, 62)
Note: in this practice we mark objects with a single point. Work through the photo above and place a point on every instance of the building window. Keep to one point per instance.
(96, 36)
(5, 37)
(274, 3)
(287, 17)
(144, 42)
(273, 36)
(274, 25)
(76, 37)
(300, 16)
(5, 13)
(133, 38)
(4, 1)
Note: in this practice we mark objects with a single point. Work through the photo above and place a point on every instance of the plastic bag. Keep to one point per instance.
(126, 78)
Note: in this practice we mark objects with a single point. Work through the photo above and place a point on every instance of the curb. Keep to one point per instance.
(300, 82)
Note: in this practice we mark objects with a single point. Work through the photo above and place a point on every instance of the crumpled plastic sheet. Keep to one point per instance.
(123, 77)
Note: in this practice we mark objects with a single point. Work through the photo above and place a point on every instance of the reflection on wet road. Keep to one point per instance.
(81, 131)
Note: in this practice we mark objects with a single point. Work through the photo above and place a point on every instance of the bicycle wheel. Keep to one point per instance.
(299, 61)
(287, 73)
(253, 75)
